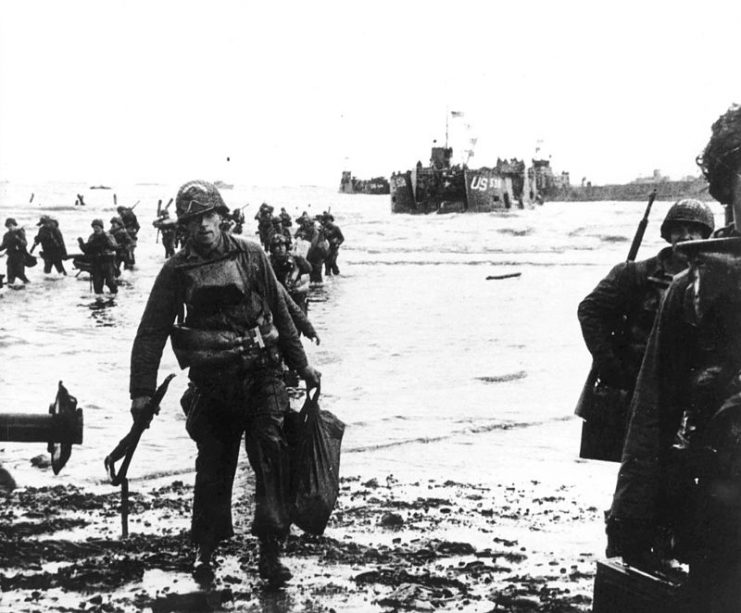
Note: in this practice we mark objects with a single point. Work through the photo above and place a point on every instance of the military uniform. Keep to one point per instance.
(616, 319)
(679, 486)
(14, 241)
(233, 289)
(335, 237)
(101, 251)
(52, 243)
(288, 270)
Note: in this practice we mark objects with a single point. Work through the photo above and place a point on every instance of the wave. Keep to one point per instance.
(473, 430)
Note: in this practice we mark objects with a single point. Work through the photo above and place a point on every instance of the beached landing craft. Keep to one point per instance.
(445, 188)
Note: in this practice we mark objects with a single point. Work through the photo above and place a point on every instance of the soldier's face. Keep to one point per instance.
(682, 231)
(204, 230)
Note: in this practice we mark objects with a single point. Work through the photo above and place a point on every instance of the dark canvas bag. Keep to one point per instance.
(314, 437)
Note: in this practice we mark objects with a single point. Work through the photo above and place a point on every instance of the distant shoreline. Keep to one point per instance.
(665, 190)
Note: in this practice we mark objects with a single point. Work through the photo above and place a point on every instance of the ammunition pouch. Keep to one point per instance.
(210, 349)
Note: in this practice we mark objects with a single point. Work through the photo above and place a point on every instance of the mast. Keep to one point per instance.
(447, 116)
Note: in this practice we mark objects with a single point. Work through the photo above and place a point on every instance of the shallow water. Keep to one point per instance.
(416, 344)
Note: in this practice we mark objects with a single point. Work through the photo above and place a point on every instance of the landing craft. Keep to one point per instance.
(445, 188)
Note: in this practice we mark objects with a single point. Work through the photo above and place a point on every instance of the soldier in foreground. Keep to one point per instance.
(233, 329)
(616, 319)
(678, 493)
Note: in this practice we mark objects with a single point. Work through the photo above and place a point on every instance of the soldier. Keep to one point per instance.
(52, 243)
(100, 249)
(124, 245)
(131, 223)
(233, 332)
(14, 241)
(336, 238)
(292, 271)
(264, 219)
(616, 319)
(678, 492)
(167, 228)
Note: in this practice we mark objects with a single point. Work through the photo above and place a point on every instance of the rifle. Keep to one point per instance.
(641, 230)
(159, 214)
(169, 202)
(126, 447)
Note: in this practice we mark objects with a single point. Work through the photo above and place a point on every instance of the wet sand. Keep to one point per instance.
(525, 539)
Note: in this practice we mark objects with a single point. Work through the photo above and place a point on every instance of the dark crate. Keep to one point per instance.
(619, 588)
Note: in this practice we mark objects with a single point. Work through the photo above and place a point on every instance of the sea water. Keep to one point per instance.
(417, 346)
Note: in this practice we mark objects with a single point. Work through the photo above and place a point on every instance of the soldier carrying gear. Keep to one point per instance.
(233, 330)
(616, 319)
(678, 492)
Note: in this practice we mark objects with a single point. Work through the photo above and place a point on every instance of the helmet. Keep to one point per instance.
(197, 198)
(97, 222)
(279, 239)
(689, 210)
(117, 220)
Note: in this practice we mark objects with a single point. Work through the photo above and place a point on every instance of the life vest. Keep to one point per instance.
(227, 321)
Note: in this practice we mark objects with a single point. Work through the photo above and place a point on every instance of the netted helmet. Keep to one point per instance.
(689, 210)
(197, 198)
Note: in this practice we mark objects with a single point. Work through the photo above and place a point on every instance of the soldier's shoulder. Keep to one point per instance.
(246, 245)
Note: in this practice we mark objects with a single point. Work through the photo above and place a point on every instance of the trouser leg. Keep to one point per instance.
(98, 276)
(110, 278)
(59, 265)
(10, 270)
(212, 498)
(47, 265)
(215, 424)
(267, 451)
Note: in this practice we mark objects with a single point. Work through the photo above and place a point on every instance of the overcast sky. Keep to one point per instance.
(293, 92)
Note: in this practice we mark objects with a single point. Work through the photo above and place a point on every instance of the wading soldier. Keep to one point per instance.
(100, 248)
(233, 328)
(678, 493)
(292, 271)
(52, 243)
(14, 241)
(616, 319)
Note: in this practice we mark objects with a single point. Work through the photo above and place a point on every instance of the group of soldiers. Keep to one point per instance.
(664, 394)
(102, 254)
(321, 235)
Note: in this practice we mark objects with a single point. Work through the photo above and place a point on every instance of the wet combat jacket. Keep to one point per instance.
(617, 316)
(51, 241)
(334, 235)
(288, 270)
(677, 438)
(232, 289)
(15, 242)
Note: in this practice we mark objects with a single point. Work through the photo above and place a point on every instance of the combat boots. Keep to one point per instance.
(203, 572)
(269, 565)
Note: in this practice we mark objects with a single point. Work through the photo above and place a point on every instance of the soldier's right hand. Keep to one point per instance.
(612, 374)
(138, 405)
